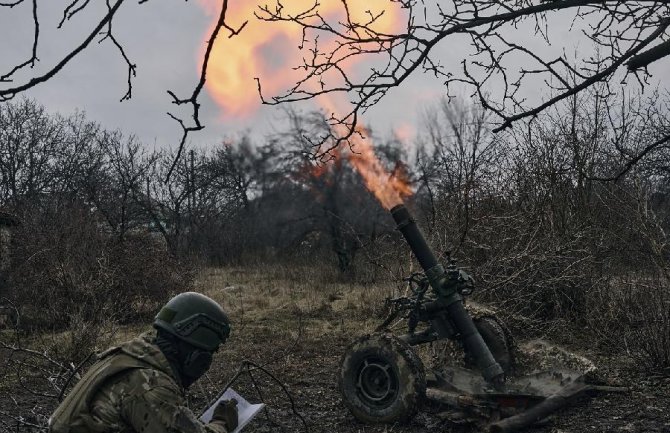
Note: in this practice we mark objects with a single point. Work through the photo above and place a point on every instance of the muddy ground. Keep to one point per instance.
(298, 332)
(309, 370)
(301, 338)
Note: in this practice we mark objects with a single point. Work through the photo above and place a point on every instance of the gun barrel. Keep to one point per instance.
(417, 243)
(448, 294)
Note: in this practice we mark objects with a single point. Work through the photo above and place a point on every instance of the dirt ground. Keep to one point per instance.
(298, 332)
(302, 331)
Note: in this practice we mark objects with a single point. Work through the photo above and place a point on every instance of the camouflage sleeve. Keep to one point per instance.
(160, 408)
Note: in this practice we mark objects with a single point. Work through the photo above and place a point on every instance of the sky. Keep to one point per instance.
(166, 40)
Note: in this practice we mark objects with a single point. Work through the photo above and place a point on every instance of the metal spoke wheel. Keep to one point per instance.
(377, 382)
(381, 379)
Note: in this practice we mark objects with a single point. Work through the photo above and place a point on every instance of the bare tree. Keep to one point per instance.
(623, 34)
(620, 33)
(460, 164)
(103, 30)
(42, 154)
(238, 168)
(126, 167)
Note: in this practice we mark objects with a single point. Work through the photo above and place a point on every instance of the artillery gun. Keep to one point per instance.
(383, 380)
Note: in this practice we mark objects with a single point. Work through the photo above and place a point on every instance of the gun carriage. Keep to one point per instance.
(383, 380)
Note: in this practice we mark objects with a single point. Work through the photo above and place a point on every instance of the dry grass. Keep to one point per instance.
(286, 298)
(295, 321)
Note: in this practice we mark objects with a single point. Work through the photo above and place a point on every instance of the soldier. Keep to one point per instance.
(139, 386)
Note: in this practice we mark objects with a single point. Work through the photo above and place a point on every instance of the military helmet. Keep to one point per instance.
(196, 319)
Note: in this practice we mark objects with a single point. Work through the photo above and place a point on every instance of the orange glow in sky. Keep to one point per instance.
(270, 51)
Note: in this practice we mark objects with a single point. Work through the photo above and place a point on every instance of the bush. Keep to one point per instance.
(66, 270)
(633, 317)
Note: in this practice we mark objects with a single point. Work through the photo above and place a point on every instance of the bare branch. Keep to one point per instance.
(588, 82)
(193, 99)
(618, 31)
(72, 9)
(642, 60)
(633, 161)
(131, 66)
(7, 94)
(33, 58)
(11, 4)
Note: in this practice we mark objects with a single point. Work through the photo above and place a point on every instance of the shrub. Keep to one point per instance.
(633, 316)
(66, 268)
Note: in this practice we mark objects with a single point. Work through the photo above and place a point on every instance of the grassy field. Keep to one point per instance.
(293, 300)
(299, 326)
(297, 323)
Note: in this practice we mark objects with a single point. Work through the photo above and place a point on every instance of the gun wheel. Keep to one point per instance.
(498, 341)
(381, 379)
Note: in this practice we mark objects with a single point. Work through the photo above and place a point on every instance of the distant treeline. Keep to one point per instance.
(563, 222)
(222, 204)
(235, 200)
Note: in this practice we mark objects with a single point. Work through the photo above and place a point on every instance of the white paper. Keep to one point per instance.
(245, 410)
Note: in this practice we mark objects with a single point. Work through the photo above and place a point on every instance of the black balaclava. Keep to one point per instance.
(188, 362)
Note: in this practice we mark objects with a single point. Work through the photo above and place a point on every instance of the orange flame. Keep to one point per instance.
(389, 188)
(268, 50)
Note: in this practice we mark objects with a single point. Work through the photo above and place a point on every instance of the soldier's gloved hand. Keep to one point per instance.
(226, 412)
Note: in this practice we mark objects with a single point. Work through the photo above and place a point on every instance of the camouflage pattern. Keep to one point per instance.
(130, 389)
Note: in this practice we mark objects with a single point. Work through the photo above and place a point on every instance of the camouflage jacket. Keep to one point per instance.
(130, 389)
